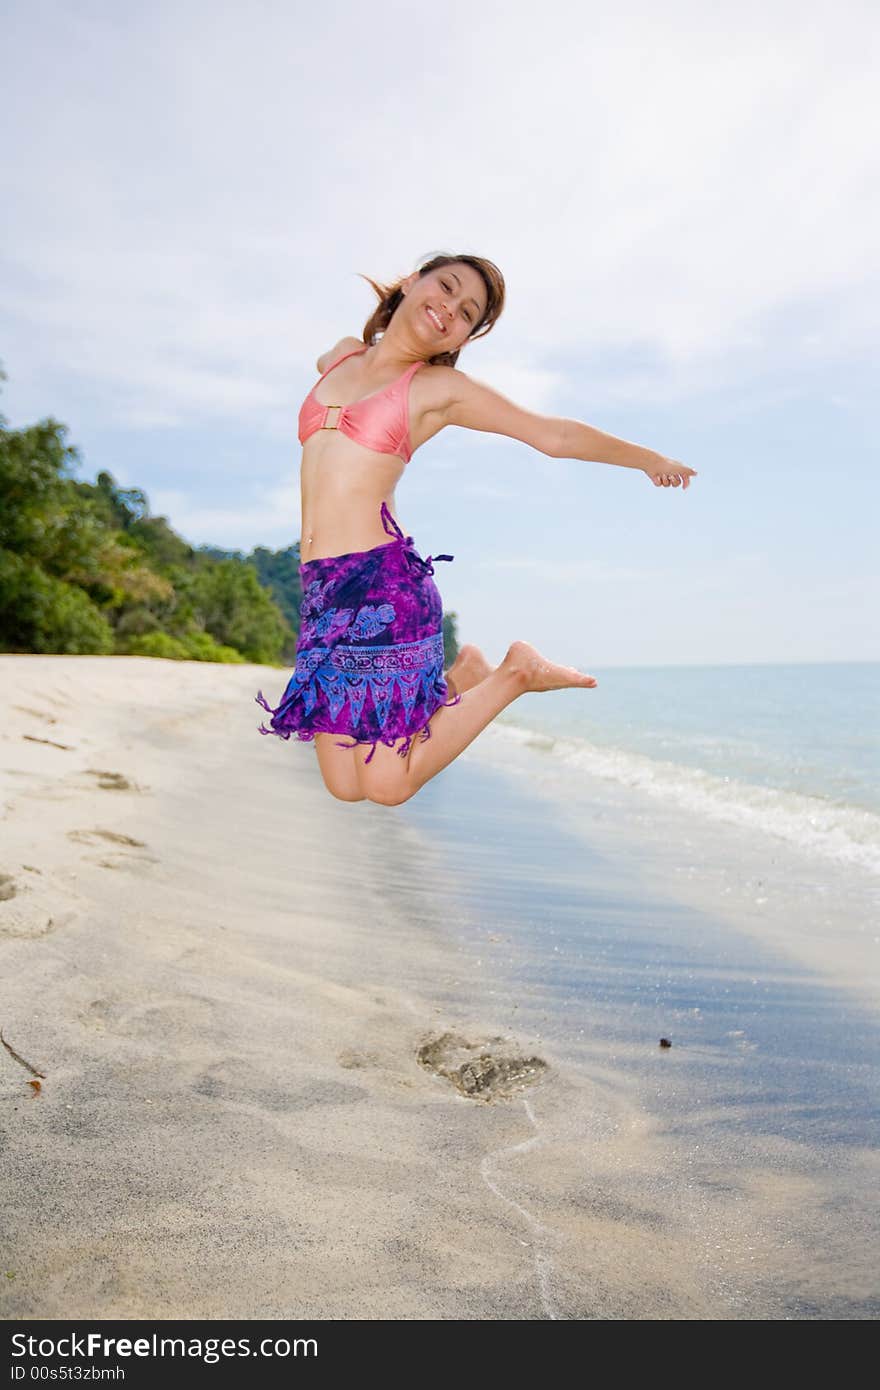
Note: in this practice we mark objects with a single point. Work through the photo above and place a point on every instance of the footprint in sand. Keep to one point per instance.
(126, 1015)
(90, 837)
(112, 781)
(123, 859)
(30, 914)
(131, 862)
(246, 1080)
(487, 1070)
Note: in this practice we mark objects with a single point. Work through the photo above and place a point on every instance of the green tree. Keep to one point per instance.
(278, 571)
(450, 639)
(229, 602)
(84, 567)
(43, 614)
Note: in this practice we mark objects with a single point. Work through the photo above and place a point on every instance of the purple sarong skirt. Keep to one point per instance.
(369, 656)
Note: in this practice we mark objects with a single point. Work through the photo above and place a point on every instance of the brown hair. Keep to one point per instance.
(391, 296)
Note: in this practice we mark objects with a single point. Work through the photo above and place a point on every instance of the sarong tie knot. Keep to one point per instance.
(412, 556)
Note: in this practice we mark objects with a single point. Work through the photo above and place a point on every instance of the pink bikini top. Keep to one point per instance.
(379, 421)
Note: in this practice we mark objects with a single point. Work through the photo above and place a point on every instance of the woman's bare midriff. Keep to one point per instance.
(342, 488)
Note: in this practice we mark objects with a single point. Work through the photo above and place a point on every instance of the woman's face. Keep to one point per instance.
(445, 305)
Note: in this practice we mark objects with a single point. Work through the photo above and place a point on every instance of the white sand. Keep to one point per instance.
(227, 1006)
(226, 976)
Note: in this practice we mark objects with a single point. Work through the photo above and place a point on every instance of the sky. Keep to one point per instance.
(684, 202)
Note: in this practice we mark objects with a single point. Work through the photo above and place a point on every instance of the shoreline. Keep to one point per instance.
(229, 1014)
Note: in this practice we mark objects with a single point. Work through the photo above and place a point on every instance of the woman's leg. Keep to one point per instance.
(391, 780)
(338, 768)
(468, 669)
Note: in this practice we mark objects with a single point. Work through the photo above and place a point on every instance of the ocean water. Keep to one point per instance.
(692, 854)
(589, 921)
(793, 750)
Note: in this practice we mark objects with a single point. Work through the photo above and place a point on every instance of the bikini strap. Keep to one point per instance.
(354, 352)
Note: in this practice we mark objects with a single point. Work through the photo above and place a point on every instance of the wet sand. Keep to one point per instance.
(307, 1058)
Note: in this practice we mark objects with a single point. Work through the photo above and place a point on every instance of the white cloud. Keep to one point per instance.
(192, 192)
(683, 199)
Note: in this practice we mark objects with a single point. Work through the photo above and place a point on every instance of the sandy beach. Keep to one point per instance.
(259, 1015)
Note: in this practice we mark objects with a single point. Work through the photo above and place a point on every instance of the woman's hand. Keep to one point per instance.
(665, 472)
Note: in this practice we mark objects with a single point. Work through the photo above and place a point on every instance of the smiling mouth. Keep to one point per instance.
(435, 320)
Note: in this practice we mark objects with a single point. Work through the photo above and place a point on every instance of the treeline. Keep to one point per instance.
(85, 568)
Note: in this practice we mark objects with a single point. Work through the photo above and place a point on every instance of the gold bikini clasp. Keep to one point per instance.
(327, 410)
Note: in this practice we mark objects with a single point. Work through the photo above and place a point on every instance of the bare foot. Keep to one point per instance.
(536, 672)
(468, 669)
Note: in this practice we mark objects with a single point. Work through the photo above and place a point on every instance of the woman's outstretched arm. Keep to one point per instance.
(582, 441)
(475, 406)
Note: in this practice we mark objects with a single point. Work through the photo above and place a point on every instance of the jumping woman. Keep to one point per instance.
(369, 656)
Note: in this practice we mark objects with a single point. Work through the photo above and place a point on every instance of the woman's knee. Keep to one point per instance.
(389, 798)
(345, 794)
(385, 789)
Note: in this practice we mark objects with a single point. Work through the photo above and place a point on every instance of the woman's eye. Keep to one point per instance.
(448, 288)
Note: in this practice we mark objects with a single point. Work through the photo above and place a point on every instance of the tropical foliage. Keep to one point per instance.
(85, 567)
